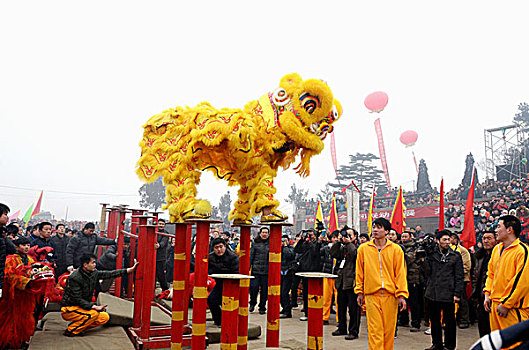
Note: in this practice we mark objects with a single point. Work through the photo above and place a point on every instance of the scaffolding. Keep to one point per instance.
(499, 142)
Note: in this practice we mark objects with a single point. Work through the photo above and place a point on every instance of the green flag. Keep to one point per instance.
(27, 217)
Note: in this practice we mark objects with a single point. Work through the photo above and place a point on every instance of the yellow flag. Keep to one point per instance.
(370, 214)
(319, 215)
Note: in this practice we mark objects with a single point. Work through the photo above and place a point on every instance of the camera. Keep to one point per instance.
(425, 247)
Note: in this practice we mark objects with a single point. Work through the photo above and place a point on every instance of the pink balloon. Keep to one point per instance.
(376, 101)
(409, 138)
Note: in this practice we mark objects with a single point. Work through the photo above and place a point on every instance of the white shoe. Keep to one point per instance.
(428, 331)
(303, 318)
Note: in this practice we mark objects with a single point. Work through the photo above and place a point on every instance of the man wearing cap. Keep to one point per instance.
(221, 261)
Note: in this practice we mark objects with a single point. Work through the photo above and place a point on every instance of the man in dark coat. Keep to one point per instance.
(444, 289)
(479, 277)
(77, 305)
(415, 285)
(44, 240)
(161, 255)
(288, 259)
(344, 251)
(259, 267)
(107, 262)
(83, 243)
(309, 247)
(221, 261)
(59, 242)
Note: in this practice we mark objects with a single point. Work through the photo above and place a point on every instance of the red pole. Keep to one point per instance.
(133, 230)
(119, 256)
(112, 223)
(189, 232)
(140, 271)
(274, 285)
(244, 269)
(230, 311)
(149, 261)
(200, 292)
(315, 314)
(179, 285)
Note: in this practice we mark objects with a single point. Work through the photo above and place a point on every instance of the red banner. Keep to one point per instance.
(382, 151)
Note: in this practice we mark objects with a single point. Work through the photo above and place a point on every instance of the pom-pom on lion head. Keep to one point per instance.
(313, 103)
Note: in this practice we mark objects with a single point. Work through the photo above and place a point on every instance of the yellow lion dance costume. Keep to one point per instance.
(245, 147)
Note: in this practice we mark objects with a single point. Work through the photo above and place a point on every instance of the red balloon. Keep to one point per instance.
(409, 138)
(376, 101)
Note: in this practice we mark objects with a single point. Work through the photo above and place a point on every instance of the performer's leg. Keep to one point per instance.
(80, 318)
(101, 319)
(390, 307)
(375, 322)
(327, 297)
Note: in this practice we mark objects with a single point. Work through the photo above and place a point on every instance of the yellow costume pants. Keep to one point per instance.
(82, 319)
(514, 316)
(381, 313)
(328, 289)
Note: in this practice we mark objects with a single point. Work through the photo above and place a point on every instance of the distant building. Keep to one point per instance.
(44, 216)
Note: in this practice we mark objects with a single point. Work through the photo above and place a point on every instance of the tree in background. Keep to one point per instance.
(152, 195)
(224, 208)
(363, 171)
(522, 117)
(297, 196)
(423, 179)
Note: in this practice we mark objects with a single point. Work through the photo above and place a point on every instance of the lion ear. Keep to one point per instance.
(291, 82)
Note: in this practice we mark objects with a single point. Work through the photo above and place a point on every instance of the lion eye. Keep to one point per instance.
(309, 102)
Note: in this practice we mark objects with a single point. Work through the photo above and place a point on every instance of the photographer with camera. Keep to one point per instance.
(444, 288)
(288, 259)
(308, 245)
(415, 285)
(344, 251)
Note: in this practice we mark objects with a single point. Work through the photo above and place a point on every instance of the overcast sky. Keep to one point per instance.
(79, 79)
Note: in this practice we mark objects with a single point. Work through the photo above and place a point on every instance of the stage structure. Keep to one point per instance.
(510, 139)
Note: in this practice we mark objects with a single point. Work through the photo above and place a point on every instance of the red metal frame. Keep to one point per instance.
(179, 286)
(138, 285)
(133, 239)
(119, 256)
(149, 280)
(200, 292)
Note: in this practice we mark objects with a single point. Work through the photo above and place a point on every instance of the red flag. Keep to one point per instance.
(442, 207)
(36, 211)
(468, 237)
(333, 216)
(397, 217)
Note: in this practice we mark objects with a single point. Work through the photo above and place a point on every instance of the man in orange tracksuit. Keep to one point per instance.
(381, 284)
(507, 286)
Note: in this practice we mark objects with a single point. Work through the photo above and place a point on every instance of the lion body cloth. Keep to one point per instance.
(244, 147)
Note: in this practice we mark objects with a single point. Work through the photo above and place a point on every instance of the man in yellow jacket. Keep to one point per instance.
(381, 284)
(507, 286)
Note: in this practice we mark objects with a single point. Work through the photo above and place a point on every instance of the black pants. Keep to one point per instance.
(483, 320)
(214, 302)
(463, 315)
(434, 308)
(259, 282)
(305, 282)
(294, 292)
(286, 284)
(416, 304)
(347, 300)
(160, 274)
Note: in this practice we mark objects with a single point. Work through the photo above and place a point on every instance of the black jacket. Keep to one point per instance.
(259, 256)
(80, 287)
(479, 274)
(226, 263)
(107, 262)
(326, 259)
(310, 260)
(83, 244)
(59, 245)
(288, 258)
(161, 252)
(41, 243)
(445, 278)
(347, 274)
(2, 258)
